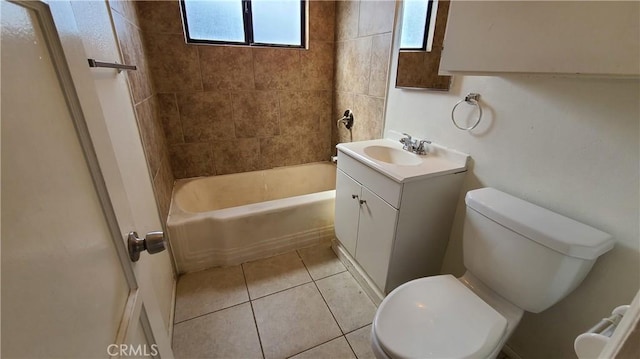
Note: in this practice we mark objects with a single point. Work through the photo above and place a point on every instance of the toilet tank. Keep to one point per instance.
(529, 255)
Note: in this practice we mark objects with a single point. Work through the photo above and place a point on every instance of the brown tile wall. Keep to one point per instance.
(148, 114)
(207, 110)
(236, 109)
(363, 48)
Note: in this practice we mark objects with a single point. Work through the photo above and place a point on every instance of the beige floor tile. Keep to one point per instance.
(360, 341)
(337, 348)
(294, 320)
(228, 333)
(321, 261)
(348, 302)
(207, 291)
(270, 275)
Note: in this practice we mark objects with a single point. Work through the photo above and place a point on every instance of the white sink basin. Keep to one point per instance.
(392, 155)
(387, 157)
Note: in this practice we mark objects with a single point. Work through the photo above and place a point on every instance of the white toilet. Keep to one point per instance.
(519, 257)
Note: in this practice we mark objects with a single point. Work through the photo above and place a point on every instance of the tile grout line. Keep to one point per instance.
(255, 322)
(322, 296)
(364, 326)
(315, 346)
(251, 300)
(330, 311)
(327, 304)
(330, 275)
(349, 343)
(326, 276)
(350, 346)
(280, 291)
(296, 286)
(212, 312)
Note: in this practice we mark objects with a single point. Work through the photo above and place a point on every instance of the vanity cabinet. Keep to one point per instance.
(366, 227)
(582, 37)
(394, 231)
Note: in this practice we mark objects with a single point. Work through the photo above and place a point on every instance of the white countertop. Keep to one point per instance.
(438, 161)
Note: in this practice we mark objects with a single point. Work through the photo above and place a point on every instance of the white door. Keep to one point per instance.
(68, 288)
(114, 129)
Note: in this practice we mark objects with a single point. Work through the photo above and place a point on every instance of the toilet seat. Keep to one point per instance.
(437, 317)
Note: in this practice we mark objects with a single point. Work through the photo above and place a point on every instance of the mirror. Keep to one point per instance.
(418, 66)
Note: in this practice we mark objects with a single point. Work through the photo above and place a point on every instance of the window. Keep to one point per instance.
(245, 22)
(418, 20)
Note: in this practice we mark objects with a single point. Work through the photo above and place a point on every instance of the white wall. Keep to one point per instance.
(567, 144)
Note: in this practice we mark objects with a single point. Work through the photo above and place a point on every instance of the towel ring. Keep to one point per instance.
(471, 99)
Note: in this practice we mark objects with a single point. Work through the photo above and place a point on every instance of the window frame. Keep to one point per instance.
(427, 25)
(247, 19)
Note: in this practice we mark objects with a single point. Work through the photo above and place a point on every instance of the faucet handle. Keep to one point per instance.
(406, 141)
(420, 149)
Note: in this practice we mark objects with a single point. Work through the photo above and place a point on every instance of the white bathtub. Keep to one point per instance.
(230, 219)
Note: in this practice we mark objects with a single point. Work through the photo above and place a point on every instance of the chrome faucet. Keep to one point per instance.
(407, 142)
(415, 146)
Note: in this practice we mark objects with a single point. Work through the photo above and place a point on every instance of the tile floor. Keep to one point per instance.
(301, 304)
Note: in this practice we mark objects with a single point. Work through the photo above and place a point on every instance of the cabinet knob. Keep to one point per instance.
(354, 196)
(362, 201)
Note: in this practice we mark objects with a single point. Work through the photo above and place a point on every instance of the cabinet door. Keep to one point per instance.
(571, 37)
(376, 231)
(346, 216)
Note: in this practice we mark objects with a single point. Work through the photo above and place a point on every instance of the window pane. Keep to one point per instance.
(414, 18)
(218, 20)
(276, 22)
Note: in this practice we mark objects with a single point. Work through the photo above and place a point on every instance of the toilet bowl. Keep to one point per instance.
(519, 257)
(443, 317)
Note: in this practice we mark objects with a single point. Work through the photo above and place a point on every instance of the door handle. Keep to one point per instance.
(153, 242)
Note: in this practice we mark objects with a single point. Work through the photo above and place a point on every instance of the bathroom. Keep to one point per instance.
(567, 143)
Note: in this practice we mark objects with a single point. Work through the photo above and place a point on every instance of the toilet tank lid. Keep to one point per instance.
(547, 228)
